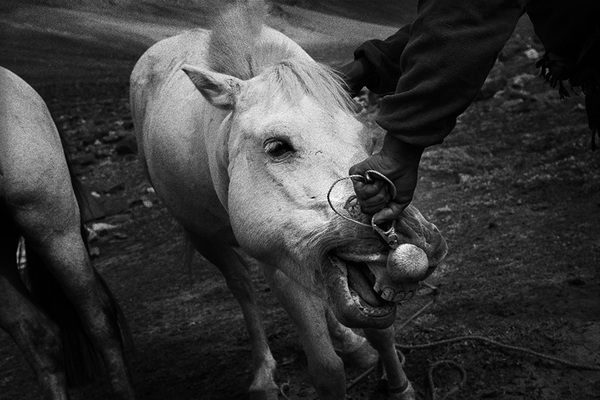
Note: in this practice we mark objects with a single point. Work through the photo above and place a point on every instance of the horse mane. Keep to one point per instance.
(236, 48)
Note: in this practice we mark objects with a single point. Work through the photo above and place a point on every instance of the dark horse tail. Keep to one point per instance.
(83, 362)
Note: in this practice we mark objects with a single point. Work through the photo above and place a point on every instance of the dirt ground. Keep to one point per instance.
(515, 189)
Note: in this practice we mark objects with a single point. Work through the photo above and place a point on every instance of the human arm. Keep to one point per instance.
(376, 64)
(451, 49)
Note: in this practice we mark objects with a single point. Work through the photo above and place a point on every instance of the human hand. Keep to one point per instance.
(356, 75)
(399, 162)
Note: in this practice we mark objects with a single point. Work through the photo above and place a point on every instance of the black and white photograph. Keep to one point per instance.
(299, 200)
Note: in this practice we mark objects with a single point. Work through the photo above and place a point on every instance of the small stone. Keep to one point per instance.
(519, 81)
(464, 178)
(532, 54)
(102, 226)
(120, 235)
(441, 210)
(94, 252)
(103, 153)
(512, 105)
(111, 137)
(91, 234)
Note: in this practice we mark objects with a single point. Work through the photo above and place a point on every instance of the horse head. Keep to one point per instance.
(289, 133)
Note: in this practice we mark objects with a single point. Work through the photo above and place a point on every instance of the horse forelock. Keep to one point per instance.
(237, 48)
(294, 77)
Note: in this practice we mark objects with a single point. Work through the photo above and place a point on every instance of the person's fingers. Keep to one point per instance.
(372, 196)
(366, 190)
(375, 195)
(371, 162)
(358, 169)
(389, 213)
(374, 204)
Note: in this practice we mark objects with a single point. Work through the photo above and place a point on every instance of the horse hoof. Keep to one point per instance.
(407, 394)
(268, 394)
(363, 357)
(383, 392)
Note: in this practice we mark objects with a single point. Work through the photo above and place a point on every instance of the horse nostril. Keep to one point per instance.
(353, 207)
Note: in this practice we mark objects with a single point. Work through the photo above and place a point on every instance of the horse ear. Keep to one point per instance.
(218, 89)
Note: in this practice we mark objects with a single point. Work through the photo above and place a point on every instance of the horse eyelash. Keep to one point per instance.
(271, 145)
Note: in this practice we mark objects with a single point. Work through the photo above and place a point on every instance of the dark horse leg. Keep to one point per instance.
(236, 273)
(37, 337)
(51, 227)
(353, 349)
(383, 341)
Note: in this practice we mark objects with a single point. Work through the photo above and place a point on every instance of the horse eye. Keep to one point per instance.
(278, 148)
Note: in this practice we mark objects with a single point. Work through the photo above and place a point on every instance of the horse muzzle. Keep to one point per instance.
(365, 288)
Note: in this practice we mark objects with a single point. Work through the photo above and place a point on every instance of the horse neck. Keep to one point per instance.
(286, 46)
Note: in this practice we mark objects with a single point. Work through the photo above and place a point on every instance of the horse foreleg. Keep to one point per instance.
(354, 349)
(235, 270)
(383, 341)
(37, 337)
(308, 311)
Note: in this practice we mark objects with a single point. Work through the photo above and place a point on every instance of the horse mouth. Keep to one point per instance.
(351, 291)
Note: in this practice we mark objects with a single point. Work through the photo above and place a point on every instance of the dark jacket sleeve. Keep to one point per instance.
(381, 61)
(449, 51)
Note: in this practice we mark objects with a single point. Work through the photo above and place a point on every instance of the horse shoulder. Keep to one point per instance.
(157, 78)
(173, 123)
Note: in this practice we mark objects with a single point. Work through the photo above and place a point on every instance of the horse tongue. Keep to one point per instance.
(360, 283)
(344, 304)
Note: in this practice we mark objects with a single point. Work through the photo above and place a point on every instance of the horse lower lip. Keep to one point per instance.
(372, 311)
(349, 307)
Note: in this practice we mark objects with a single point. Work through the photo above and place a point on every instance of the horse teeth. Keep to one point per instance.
(387, 294)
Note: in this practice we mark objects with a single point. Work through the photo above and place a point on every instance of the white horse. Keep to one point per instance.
(242, 135)
(66, 322)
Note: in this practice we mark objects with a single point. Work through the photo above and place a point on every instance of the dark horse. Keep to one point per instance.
(65, 321)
